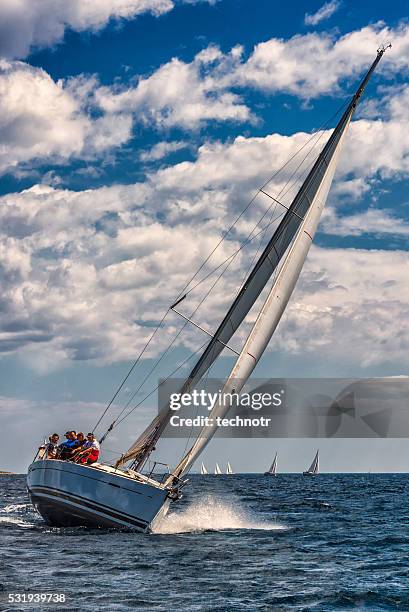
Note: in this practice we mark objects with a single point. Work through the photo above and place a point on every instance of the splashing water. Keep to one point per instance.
(15, 508)
(9, 520)
(211, 514)
(18, 510)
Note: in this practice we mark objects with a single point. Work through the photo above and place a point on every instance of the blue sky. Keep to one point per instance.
(132, 134)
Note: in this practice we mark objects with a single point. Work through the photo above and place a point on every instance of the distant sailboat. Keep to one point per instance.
(203, 469)
(229, 468)
(314, 468)
(273, 468)
(217, 470)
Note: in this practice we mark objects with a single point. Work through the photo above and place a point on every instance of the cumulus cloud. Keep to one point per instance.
(189, 94)
(112, 259)
(84, 271)
(42, 119)
(25, 25)
(325, 12)
(91, 273)
(86, 274)
(77, 118)
(372, 221)
(315, 64)
(161, 150)
(351, 318)
(181, 93)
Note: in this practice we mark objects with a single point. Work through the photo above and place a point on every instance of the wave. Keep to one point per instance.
(10, 520)
(212, 514)
(15, 508)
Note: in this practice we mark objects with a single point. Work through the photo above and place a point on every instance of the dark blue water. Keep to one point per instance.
(244, 542)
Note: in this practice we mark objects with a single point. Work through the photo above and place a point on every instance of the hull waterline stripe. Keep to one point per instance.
(79, 500)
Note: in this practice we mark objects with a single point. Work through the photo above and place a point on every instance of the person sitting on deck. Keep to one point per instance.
(51, 447)
(67, 448)
(89, 452)
(81, 440)
(49, 450)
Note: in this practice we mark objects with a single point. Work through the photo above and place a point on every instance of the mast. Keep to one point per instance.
(289, 226)
(315, 190)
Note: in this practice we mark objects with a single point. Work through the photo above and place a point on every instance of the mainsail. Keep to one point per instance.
(217, 470)
(315, 188)
(203, 469)
(314, 468)
(229, 468)
(298, 225)
(273, 467)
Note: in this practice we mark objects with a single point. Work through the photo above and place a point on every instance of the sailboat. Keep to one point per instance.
(217, 470)
(121, 495)
(203, 469)
(229, 468)
(314, 468)
(272, 471)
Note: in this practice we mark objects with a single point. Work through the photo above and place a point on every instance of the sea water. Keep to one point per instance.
(240, 542)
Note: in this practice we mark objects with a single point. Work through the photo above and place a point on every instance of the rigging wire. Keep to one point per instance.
(224, 235)
(169, 346)
(164, 380)
(117, 421)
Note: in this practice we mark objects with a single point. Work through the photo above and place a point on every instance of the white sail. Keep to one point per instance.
(217, 470)
(314, 468)
(273, 467)
(203, 469)
(229, 468)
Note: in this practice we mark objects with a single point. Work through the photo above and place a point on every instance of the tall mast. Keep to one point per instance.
(293, 219)
(321, 178)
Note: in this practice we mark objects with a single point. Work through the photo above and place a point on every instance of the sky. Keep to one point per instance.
(132, 134)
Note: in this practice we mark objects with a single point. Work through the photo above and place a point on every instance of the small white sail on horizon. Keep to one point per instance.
(217, 470)
(229, 468)
(314, 468)
(203, 469)
(272, 471)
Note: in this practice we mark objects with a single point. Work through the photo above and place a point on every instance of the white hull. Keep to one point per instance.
(67, 494)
